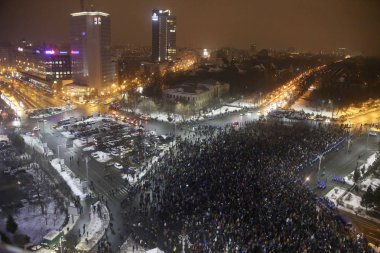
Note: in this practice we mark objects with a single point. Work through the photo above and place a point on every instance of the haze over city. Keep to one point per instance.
(306, 25)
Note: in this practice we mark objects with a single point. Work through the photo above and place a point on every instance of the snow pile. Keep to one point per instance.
(370, 160)
(239, 103)
(72, 181)
(79, 143)
(163, 116)
(36, 144)
(221, 110)
(90, 148)
(99, 221)
(102, 156)
(67, 134)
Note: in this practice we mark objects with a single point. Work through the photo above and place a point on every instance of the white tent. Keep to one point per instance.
(155, 250)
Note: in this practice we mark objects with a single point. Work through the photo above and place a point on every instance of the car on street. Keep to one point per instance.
(95, 155)
(118, 166)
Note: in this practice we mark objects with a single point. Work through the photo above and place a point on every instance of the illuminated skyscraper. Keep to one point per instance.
(163, 36)
(91, 49)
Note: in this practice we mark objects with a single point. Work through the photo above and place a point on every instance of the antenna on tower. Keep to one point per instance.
(82, 5)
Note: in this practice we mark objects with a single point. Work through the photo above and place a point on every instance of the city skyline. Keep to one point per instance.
(311, 26)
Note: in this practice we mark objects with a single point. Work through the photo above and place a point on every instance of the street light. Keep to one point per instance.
(59, 145)
(320, 161)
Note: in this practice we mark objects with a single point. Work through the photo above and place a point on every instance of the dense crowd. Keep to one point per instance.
(238, 191)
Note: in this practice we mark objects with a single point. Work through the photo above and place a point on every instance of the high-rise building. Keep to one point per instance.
(91, 49)
(163, 35)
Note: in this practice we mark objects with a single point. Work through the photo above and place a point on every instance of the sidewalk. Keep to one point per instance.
(94, 231)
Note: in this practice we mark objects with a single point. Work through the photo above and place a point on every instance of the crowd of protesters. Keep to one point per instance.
(238, 191)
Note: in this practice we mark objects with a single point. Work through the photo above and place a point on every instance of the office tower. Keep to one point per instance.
(163, 36)
(91, 49)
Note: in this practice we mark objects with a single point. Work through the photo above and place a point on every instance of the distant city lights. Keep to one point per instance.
(74, 52)
(49, 52)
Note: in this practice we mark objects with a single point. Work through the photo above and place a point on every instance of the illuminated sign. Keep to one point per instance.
(49, 52)
(97, 20)
(63, 52)
(74, 52)
(154, 17)
(38, 51)
(20, 49)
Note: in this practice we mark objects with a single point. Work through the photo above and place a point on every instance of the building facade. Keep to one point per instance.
(197, 94)
(42, 67)
(90, 38)
(164, 28)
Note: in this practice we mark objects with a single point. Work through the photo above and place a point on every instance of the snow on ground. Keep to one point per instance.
(221, 110)
(335, 193)
(239, 103)
(369, 181)
(90, 148)
(103, 157)
(96, 228)
(350, 200)
(92, 120)
(370, 160)
(163, 116)
(36, 144)
(67, 134)
(72, 181)
(79, 143)
(31, 222)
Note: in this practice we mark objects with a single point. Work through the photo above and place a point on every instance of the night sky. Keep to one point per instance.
(309, 25)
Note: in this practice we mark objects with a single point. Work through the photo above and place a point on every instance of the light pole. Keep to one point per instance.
(320, 161)
(60, 242)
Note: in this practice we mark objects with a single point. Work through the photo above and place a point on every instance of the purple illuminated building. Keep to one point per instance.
(43, 64)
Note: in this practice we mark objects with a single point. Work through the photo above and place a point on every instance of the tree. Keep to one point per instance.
(4, 238)
(18, 141)
(368, 198)
(376, 197)
(356, 175)
(11, 225)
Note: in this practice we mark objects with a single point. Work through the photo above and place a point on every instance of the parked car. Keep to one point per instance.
(118, 166)
(95, 155)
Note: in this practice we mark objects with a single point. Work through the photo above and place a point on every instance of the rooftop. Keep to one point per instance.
(89, 13)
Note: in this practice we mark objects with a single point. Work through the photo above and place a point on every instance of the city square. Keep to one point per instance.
(188, 135)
